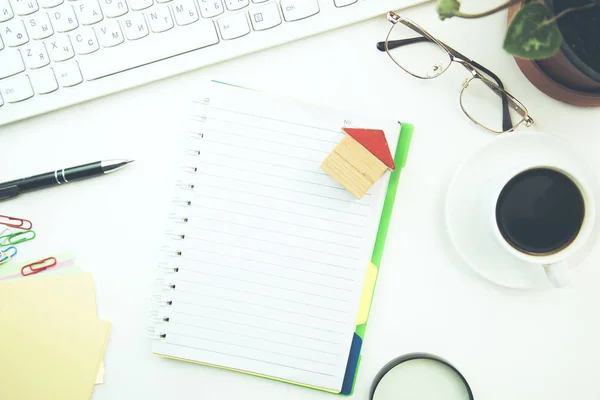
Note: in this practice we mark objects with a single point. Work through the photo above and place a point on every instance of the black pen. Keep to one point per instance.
(11, 189)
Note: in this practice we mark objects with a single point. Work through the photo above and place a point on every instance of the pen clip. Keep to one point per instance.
(13, 222)
(40, 266)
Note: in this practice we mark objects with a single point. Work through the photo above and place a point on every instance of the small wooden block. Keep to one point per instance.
(353, 166)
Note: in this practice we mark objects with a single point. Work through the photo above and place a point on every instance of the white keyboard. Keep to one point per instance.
(55, 53)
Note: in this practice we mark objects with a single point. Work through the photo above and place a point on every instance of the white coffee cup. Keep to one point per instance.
(555, 264)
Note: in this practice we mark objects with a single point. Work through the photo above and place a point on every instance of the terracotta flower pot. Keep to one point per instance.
(564, 76)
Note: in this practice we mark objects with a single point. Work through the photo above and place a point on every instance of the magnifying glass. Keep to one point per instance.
(420, 376)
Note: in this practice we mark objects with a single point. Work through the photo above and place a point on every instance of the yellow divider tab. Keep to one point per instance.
(367, 294)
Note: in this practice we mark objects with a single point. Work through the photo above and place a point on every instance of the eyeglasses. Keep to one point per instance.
(482, 99)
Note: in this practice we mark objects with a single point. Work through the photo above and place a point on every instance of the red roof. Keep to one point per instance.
(373, 140)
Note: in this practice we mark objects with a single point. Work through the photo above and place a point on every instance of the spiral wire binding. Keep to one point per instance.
(168, 267)
(185, 185)
(153, 334)
(175, 235)
(182, 202)
(178, 219)
(199, 118)
(190, 168)
(164, 285)
(161, 300)
(155, 316)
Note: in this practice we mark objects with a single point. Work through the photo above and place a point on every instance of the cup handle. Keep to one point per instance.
(558, 273)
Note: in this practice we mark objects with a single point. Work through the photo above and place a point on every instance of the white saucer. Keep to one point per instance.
(474, 239)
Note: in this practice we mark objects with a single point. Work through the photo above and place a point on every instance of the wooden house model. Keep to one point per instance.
(359, 160)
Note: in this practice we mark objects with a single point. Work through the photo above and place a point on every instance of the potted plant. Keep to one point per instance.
(556, 43)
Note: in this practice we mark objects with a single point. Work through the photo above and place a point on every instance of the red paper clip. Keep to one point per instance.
(13, 222)
(44, 265)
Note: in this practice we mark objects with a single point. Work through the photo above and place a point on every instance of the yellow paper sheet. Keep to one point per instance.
(100, 376)
(52, 341)
(71, 269)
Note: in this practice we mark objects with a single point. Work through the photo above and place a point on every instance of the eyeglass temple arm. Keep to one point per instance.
(394, 44)
(506, 120)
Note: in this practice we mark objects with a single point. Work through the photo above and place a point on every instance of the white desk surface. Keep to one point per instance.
(509, 344)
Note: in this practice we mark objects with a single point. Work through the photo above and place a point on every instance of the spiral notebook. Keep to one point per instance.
(270, 264)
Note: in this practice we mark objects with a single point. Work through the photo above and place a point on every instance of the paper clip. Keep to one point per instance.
(16, 238)
(14, 222)
(7, 253)
(40, 266)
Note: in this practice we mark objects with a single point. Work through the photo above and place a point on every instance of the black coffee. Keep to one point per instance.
(540, 211)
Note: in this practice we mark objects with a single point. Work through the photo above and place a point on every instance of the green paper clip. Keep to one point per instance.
(16, 238)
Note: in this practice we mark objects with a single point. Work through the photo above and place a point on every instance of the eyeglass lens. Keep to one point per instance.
(423, 58)
(483, 105)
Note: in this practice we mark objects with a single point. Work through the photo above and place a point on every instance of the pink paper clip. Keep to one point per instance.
(13, 222)
(38, 266)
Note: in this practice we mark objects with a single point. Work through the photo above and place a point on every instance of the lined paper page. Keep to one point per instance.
(275, 252)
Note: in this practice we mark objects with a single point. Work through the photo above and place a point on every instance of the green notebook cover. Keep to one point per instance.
(406, 131)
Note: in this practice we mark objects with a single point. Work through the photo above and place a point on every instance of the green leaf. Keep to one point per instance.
(447, 8)
(530, 35)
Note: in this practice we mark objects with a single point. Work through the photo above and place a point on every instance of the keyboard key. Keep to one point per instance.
(39, 26)
(25, 7)
(163, 1)
(1, 101)
(50, 3)
(88, 12)
(84, 41)
(68, 74)
(140, 4)
(64, 19)
(114, 8)
(132, 54)
(16, 89)
(109, 33)
(160, 18)
(35, 55)
(6, 11)
(343, 3)
(236, 4)
(259, 1)
(293, 10)
(210, 8)
(135, 26)
(14, 33)
(11, 63)
(1, 43)
(234, 26)
(185, 12)
(265, 17)
(60, 48)
(43, 81)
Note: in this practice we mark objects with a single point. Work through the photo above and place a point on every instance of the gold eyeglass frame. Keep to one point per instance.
(471, 66)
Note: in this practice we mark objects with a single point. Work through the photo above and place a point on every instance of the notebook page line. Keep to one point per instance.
(274, 321)
(275, 119)
(258, 338)
(175, 311)
(267, 285)
(194, 204)
(265, 273)
(266, 263)
(275, 231)
(276, 176)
